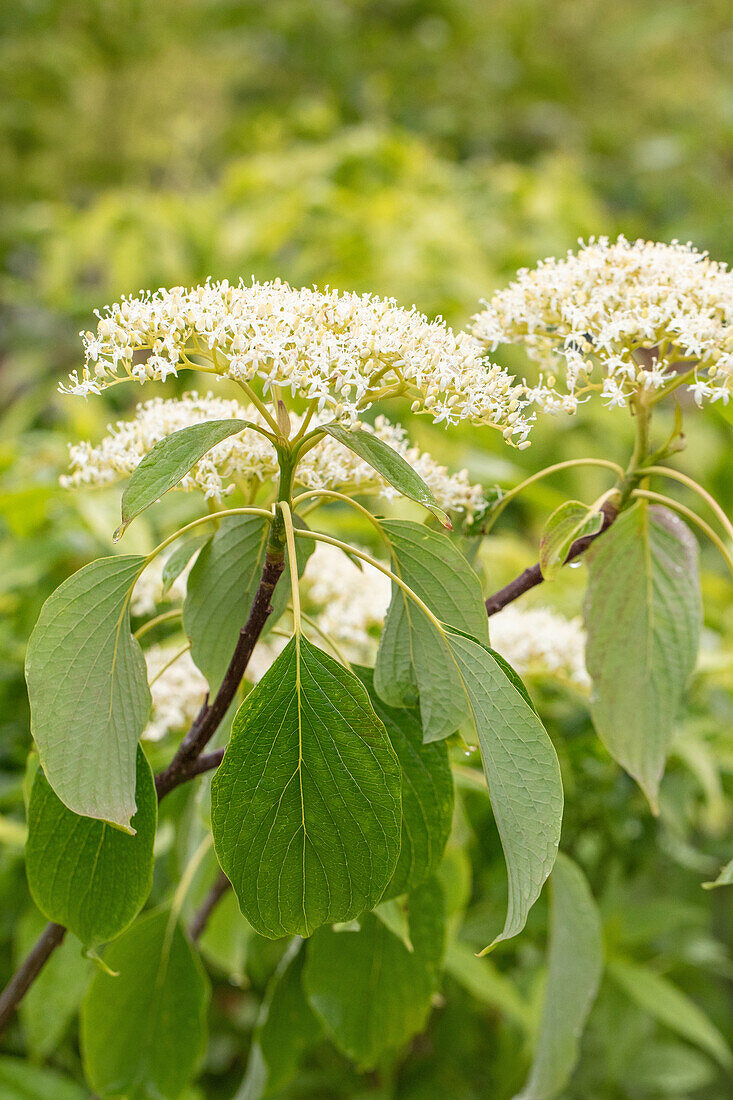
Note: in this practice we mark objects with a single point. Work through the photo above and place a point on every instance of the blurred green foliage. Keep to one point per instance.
(421, 148)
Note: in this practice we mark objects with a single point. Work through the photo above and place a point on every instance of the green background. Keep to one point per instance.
(426, 150)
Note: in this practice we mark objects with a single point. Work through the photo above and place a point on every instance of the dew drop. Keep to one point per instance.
(575, 564)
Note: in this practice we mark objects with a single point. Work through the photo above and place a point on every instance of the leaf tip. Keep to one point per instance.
(442, 518)
(488, 950)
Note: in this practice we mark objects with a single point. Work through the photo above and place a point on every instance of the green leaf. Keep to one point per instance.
(19, 1081)
(88, 688)
(427, 793)
(411, 652)
(286, 1028)
(371, 994)
(484, 982)
(305, 807)
(571, 521)
(53, 999)
(143, 1033)
(179, 559)
(666, 1003)
(390, 465)
(168, 462)
(575, 968)
(643, 615)
(522, 774)
(85, 874)
(221, 589)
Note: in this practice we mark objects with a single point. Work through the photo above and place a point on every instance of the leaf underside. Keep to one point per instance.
(88, 688)
(643, 616)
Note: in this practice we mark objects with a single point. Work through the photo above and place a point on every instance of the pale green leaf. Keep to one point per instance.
(643, 615)
(571, 521)
(143, 1033)
(371, 994)
(53, 1000)
(306, 807)
(522, 774)
(427, 793)
(84, 873)
(411, 651)
(88, 688)
(575, 968)
(169, 461)
(390, 465)
(20, 1081)
(222, 586)
(176, 562)
(657, 996)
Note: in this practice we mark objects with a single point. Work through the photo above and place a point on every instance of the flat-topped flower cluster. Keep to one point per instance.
(249, 457)
(619, 318)
(341, 351)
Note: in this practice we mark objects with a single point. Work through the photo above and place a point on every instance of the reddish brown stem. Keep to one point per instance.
(532, 576)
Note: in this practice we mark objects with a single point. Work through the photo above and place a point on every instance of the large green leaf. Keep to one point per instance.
(522, 774)
(53, 1000)
(643, 614)
(575, 967)
(222, 586)
(306, 807)
(168, 462)
(143, 1031)
(411, 651)
(661, 999)
(571, 521)
(20, 1081)
(286, 1027)
(370, 992)
(389, 464)
(427, 793)
(88, 688)
(84, 873)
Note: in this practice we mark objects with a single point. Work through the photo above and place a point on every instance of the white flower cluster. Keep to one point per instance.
(177, 688)
(538, 640)
(341, 351)
(619, 318)
(250, 457)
